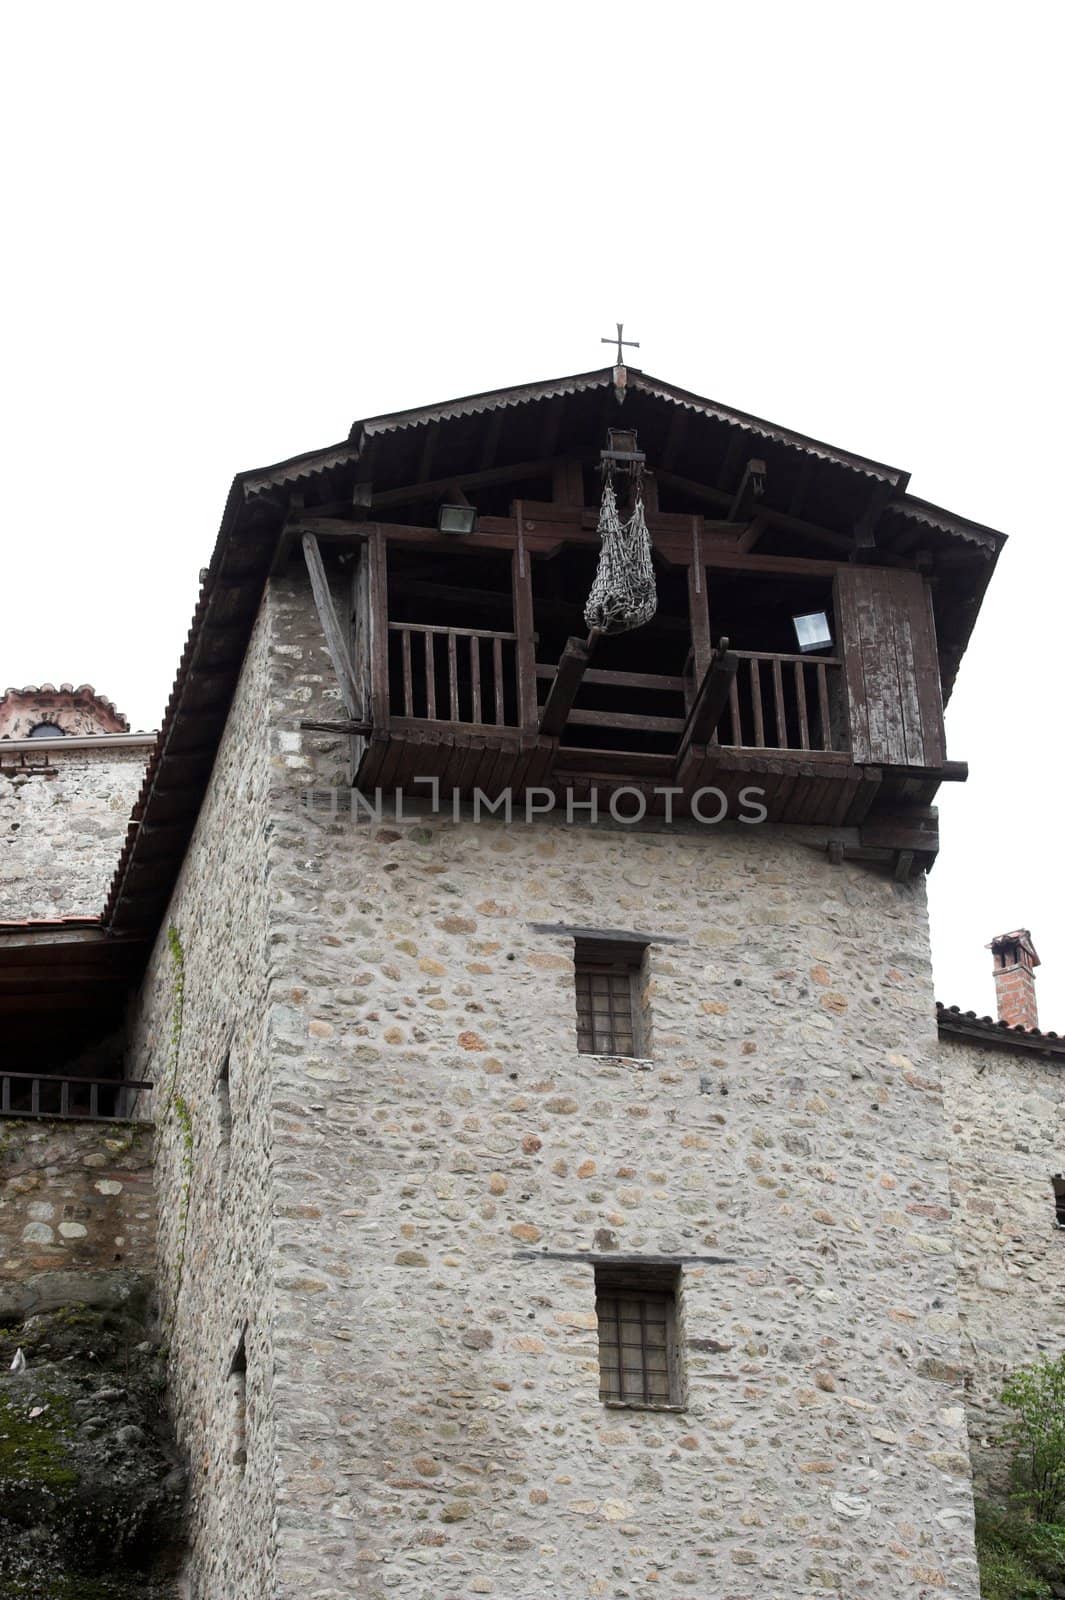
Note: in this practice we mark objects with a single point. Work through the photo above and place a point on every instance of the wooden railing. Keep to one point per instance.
(782, 702)
(464, 675)
(28, 1094)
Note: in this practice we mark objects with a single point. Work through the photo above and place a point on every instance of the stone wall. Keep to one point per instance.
(1006, 1118)
(444, 1161)
(63, 818)
(203, 1001)
(400, 1200)
(75, 1198)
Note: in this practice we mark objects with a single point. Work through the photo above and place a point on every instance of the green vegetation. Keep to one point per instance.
(90, 1488)
(34, 1453)
(1021, 1548)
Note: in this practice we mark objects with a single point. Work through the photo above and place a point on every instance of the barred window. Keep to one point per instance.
(1058, 1182)
(610, 1017)
(638, 1355)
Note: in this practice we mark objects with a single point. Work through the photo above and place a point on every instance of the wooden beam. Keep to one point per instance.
(468, 480)
(572, 663)
(425, 460)
(751, 489)
(336, 641)
(491, 441)
(710, 700)
(778, 519)
(567, 482)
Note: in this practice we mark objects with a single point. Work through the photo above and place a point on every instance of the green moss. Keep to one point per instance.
(35, 1451)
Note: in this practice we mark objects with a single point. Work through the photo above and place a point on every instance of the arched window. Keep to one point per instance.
(47, 730)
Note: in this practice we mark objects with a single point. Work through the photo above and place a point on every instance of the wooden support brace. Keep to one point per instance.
(710, 700)
(335, 639)
(751, 489)
(567, 680)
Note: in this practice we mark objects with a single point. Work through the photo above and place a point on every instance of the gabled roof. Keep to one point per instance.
(382, 450)
(636, 382)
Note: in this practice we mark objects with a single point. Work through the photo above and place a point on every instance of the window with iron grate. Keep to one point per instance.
(611, 1015)
(639, 1363)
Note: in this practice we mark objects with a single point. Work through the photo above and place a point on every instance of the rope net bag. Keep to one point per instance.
(623, 595)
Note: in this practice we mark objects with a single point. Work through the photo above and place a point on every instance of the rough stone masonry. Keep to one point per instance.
(383, 1166)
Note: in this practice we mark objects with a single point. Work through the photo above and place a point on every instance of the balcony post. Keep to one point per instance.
(521, 579)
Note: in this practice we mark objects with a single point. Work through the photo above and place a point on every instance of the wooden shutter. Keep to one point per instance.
(894, 696)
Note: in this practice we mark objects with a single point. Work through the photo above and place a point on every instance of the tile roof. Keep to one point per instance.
(956, 1023)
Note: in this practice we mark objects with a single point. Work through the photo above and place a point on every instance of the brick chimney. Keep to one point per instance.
(1015, 963)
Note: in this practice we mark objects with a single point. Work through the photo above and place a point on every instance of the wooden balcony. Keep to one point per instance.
(848, 740)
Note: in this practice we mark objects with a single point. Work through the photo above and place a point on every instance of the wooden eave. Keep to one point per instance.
(68, 965)
(810, 485)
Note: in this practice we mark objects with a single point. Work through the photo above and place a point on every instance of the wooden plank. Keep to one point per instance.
(800, 699)
(823, 706)
(930, 683)
(475, 678)
(408, 675)
(377, 557)
(572, 664)
(778, 706)
(336, 642)
(735, 720)
(622, 680)
(497, 680)
(892, 672)
(626, 719)
(429, 641)
(453, 675)
(756, 704)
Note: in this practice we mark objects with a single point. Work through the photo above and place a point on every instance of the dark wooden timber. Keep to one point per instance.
(709, 702)
(572, 666)
(336, 639)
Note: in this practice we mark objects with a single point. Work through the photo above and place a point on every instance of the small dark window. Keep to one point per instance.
(225, 1122)
(238, 1404)
(611, 1019)
(47, 730)
(1058, 1182)
(638, 1353)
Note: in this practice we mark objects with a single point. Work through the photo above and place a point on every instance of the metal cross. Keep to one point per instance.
(634, 344)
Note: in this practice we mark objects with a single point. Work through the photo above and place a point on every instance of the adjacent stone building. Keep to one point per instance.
(70, 771)
(564, 1184)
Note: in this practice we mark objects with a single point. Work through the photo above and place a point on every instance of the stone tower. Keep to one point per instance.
(551, 1171)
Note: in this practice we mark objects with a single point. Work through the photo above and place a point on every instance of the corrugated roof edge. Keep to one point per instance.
(916, 510)
(602, 378)
(953, 1021)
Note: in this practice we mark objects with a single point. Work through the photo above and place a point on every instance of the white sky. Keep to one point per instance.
(233, 229)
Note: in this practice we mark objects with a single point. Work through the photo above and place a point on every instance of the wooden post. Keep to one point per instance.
(698, 606)
(521, 578)
(377, 554)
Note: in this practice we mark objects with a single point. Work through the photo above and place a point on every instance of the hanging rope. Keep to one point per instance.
(623, 594)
